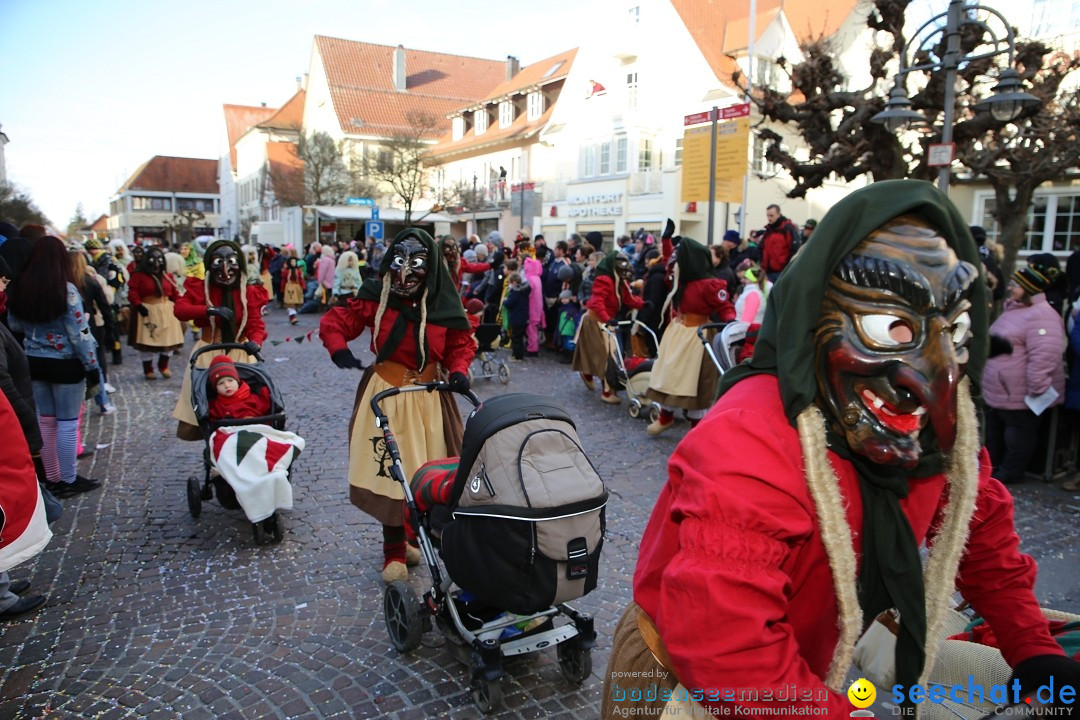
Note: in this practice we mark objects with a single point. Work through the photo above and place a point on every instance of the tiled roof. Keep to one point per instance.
(290, 116)
(175, 174)
(282, 155)
(102, 223)
(535, 74)
(360, 76)
(241, 118)
(520, 129)
(720, 27)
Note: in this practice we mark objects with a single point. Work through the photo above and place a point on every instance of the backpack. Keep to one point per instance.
(527, 507)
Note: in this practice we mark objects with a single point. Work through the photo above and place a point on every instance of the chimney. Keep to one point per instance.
(512, 67)
(263, 104)
(299, 84)
(399, 68)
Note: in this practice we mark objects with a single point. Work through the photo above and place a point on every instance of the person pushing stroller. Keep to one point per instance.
(417, 324)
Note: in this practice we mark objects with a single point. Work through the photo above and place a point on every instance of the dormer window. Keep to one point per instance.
(458, 125)
(536, 105)
(480, 121)
(506, 113)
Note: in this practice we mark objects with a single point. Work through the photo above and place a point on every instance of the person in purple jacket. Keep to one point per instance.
(1027, 341)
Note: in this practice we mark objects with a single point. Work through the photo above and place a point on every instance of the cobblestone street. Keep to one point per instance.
(154, 614)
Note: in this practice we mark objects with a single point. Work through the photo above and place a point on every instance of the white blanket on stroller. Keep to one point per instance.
(255, 460)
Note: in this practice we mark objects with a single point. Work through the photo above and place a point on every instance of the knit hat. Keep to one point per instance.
(93, 244)
(474, 305)
(5, 269)
(811, 223)
(1035, 278)
(732, 236)
(494, 237)
(481, 252)
(469, 255)
(222, 367)
(595, 239)
(565, 295)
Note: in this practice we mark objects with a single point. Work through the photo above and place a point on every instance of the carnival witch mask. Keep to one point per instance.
(891, 346)
(154, 260)
(623, 271)
(450, 251)
(224, 264)
(408, 268)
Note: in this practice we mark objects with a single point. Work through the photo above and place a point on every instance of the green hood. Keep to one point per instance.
(695, 263)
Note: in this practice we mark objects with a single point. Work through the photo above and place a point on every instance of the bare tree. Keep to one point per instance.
(18, 208)
(397, 162)
(833, 120)
(183, 224)
(326, 179)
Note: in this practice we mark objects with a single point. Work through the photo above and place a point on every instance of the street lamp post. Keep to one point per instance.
(1005, 104)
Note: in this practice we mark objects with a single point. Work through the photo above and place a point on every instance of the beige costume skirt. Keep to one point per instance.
(594, 346)
(682, 376)
(427, 426)
(294, 294)
(267, 281)
(159, 331)
(183, 411)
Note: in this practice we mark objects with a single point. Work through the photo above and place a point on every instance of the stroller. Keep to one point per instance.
(490, 359)
(257, 377)
(723, 348)
(631, 372)
(503, 552)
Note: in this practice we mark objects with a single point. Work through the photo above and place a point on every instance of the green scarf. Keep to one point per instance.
(695, 263)
(193, 258)
(890, 573)
(444, 306)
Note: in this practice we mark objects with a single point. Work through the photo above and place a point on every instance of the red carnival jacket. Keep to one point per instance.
(734, 539)
(454, 349)
(142, 285)
(192, 306)
(605, 303)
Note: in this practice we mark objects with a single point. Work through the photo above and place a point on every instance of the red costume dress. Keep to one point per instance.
(159, 331)
(682, 377)
(594, 345)
(734, 544)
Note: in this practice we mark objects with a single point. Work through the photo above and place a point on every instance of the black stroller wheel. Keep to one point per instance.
(654, 413)
(277, 531)
(633, 409)
(194, 496)
(504, 373)
(401, 611)
(487, 694)
(574, 662)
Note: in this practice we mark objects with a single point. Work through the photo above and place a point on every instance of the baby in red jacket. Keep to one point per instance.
(234, 397)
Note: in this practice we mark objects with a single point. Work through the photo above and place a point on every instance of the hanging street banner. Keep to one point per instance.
(732, 139)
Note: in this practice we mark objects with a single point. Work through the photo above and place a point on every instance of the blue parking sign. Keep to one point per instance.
(374, 212)
(374, 229)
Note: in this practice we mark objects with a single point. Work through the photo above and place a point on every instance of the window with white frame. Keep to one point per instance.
(480, 121)
(458, 127)
(631, 90)
(605, 157)
(588, 161)
(644, 155)
(506, 113)
(635, 14)
(1053, 220)
(678, 152)
(536, 105)
(761, 165)
(620, 154)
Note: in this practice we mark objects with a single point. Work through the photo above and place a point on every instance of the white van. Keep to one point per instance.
(268, 233)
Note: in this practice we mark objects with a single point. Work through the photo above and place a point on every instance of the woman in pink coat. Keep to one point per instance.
(1027, 343)
(533, 269)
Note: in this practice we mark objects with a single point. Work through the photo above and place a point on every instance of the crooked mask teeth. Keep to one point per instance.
(870, 397)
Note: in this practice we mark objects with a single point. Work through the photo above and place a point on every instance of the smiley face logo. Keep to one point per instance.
(862, 693)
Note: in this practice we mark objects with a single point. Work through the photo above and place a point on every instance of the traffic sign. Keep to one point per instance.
(374, 229)
(697, 118)
(374, 212)
(360, 201)
(309, 218)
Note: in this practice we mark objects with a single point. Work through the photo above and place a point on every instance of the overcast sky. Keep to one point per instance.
(90, 90)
